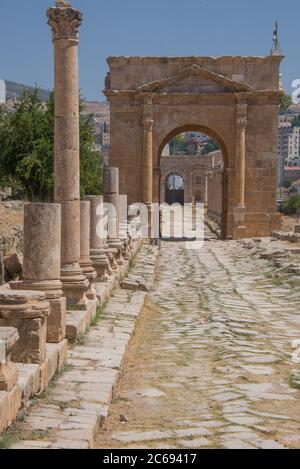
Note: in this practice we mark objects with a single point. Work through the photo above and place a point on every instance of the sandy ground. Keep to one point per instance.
(288, 223)
(10, 216)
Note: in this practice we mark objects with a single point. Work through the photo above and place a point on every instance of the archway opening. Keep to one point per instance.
(194, 159)
(174, 189)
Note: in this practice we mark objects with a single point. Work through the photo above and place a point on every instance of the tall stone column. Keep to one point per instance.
(148, 157)
(65, 22)
(239, 212)
(41, 266)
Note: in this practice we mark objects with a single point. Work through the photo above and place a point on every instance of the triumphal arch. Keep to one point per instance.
(234, 100)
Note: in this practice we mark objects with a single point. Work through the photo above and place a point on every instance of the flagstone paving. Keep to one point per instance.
(210, 365)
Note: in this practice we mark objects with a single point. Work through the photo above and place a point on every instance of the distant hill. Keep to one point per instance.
(15, 90)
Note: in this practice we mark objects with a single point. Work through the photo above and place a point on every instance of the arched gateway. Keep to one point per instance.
(234, 100)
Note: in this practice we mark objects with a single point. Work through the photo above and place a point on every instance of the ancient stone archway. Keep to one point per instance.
(222, 154)
(232, 99)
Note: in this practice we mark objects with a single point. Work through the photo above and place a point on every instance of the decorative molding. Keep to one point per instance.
(195, 70)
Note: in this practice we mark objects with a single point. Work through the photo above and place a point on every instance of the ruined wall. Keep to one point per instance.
(127, 147)
(214, 207)
(259, 72)
(261, 170)
(193, 169)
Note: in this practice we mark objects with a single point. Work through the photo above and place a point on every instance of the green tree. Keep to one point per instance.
(209, 147)
(291, 206)
(296, 121)
(286, 101)
(27, 146)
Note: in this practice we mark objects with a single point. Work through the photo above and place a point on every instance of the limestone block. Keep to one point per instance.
(56, 321)
(110, 180)
(27, 311)
(8, 370)
(13, 264)
(42, 239)
(10, 403)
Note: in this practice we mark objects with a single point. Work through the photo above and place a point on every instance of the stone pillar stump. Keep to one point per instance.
(26, 311)
(42, 260)
(8, 370)
(98, 250)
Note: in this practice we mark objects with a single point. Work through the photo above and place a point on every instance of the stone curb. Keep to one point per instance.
(77, 404)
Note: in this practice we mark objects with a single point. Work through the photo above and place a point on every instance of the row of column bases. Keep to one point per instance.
(33, 311)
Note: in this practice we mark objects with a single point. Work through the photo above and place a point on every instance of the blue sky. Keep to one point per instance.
(145, 27)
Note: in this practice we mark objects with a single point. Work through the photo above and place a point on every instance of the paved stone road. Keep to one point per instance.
(211, 361)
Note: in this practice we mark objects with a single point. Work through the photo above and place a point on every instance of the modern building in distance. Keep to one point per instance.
(2, 92)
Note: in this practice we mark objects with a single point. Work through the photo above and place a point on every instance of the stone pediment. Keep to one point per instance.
(195, 79)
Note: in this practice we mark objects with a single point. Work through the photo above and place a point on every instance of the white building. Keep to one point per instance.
(293, 158)
(289, 145)
(2, 92)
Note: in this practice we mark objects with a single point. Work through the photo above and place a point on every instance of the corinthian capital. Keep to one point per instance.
(64, 22)
(148, 123)
(241, 123)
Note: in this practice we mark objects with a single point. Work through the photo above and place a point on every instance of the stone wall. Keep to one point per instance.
(12, 243)
(215, 182)
(193, 169)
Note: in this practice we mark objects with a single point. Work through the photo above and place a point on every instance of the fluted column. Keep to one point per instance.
(65, 22)
(148, 150)
(240, 168)
(206, 191)
(148, 157)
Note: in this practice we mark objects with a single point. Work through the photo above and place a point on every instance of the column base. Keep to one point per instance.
(112, 254)
(26, 311)
(101, 263)
(91, 275)
(118, 245)
(74, 286)
(56, 321)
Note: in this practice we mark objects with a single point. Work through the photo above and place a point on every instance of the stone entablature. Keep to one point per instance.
(259, 73)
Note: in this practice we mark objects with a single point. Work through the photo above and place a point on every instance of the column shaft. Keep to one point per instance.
(148, 150)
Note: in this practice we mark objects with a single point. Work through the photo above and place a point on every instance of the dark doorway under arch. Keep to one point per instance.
(174, 189)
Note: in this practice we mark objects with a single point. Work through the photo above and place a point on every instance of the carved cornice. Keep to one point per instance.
(64, 22)
(262, 96)
(197, 71)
